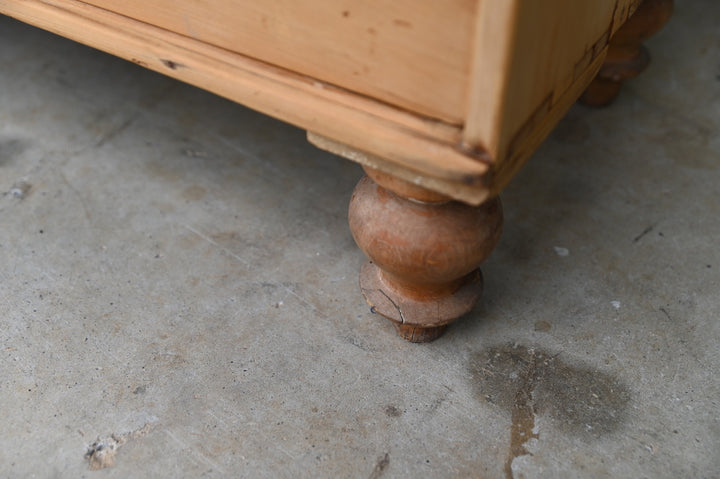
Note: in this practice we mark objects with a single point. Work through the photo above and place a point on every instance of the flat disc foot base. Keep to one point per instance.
(418, 334)
(417, 320)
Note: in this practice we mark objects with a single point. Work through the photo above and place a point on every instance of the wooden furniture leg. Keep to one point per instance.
(627, 56)
(424, 252)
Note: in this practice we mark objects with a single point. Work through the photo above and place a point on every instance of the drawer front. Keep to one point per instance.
(414, 54)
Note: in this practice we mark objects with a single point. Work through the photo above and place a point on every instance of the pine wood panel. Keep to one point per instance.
(410, 53)
(532, 59)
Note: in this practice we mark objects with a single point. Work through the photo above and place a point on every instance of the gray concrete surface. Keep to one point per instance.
(178, 288)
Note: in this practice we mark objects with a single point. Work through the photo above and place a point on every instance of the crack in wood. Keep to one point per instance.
(397, 306)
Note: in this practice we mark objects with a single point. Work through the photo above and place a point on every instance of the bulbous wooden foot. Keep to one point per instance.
(627, 57)
(424, 253)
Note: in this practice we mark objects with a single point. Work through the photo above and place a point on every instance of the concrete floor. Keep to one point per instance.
(178, 289)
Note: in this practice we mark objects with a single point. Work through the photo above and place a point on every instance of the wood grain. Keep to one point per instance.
(397, 51)
(469, 193)
(530, 58)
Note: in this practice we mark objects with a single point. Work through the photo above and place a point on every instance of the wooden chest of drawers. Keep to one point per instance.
(441, 101)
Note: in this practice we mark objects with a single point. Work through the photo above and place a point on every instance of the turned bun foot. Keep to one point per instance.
(424, 253)
(627, 57)
(606, 86)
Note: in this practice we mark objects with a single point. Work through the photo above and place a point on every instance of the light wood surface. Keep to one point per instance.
(531, 61)
(472, 193)
(393, 50)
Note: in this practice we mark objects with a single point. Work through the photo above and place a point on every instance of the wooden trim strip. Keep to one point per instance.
(493, 48)
(470, 194)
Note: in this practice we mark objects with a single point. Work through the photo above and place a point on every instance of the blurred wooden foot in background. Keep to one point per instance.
(627, 56)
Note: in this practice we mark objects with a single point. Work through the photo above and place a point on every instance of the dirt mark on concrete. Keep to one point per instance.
(101, 453)
(393, 411)
(20, 189)
(380, 467)
(528, 382)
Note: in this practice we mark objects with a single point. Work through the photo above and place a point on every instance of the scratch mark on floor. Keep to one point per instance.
(80, 197)
(247, 264)
(248, 155)
(380, 467)
(301, 299)
(645, 231)
(256, 430)
(216, 244)
(115, 131)
(198, 454)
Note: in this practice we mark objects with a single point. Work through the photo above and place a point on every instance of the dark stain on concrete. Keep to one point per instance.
(393, 411)
(194, 193)
(528, 382)
(542, 326)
